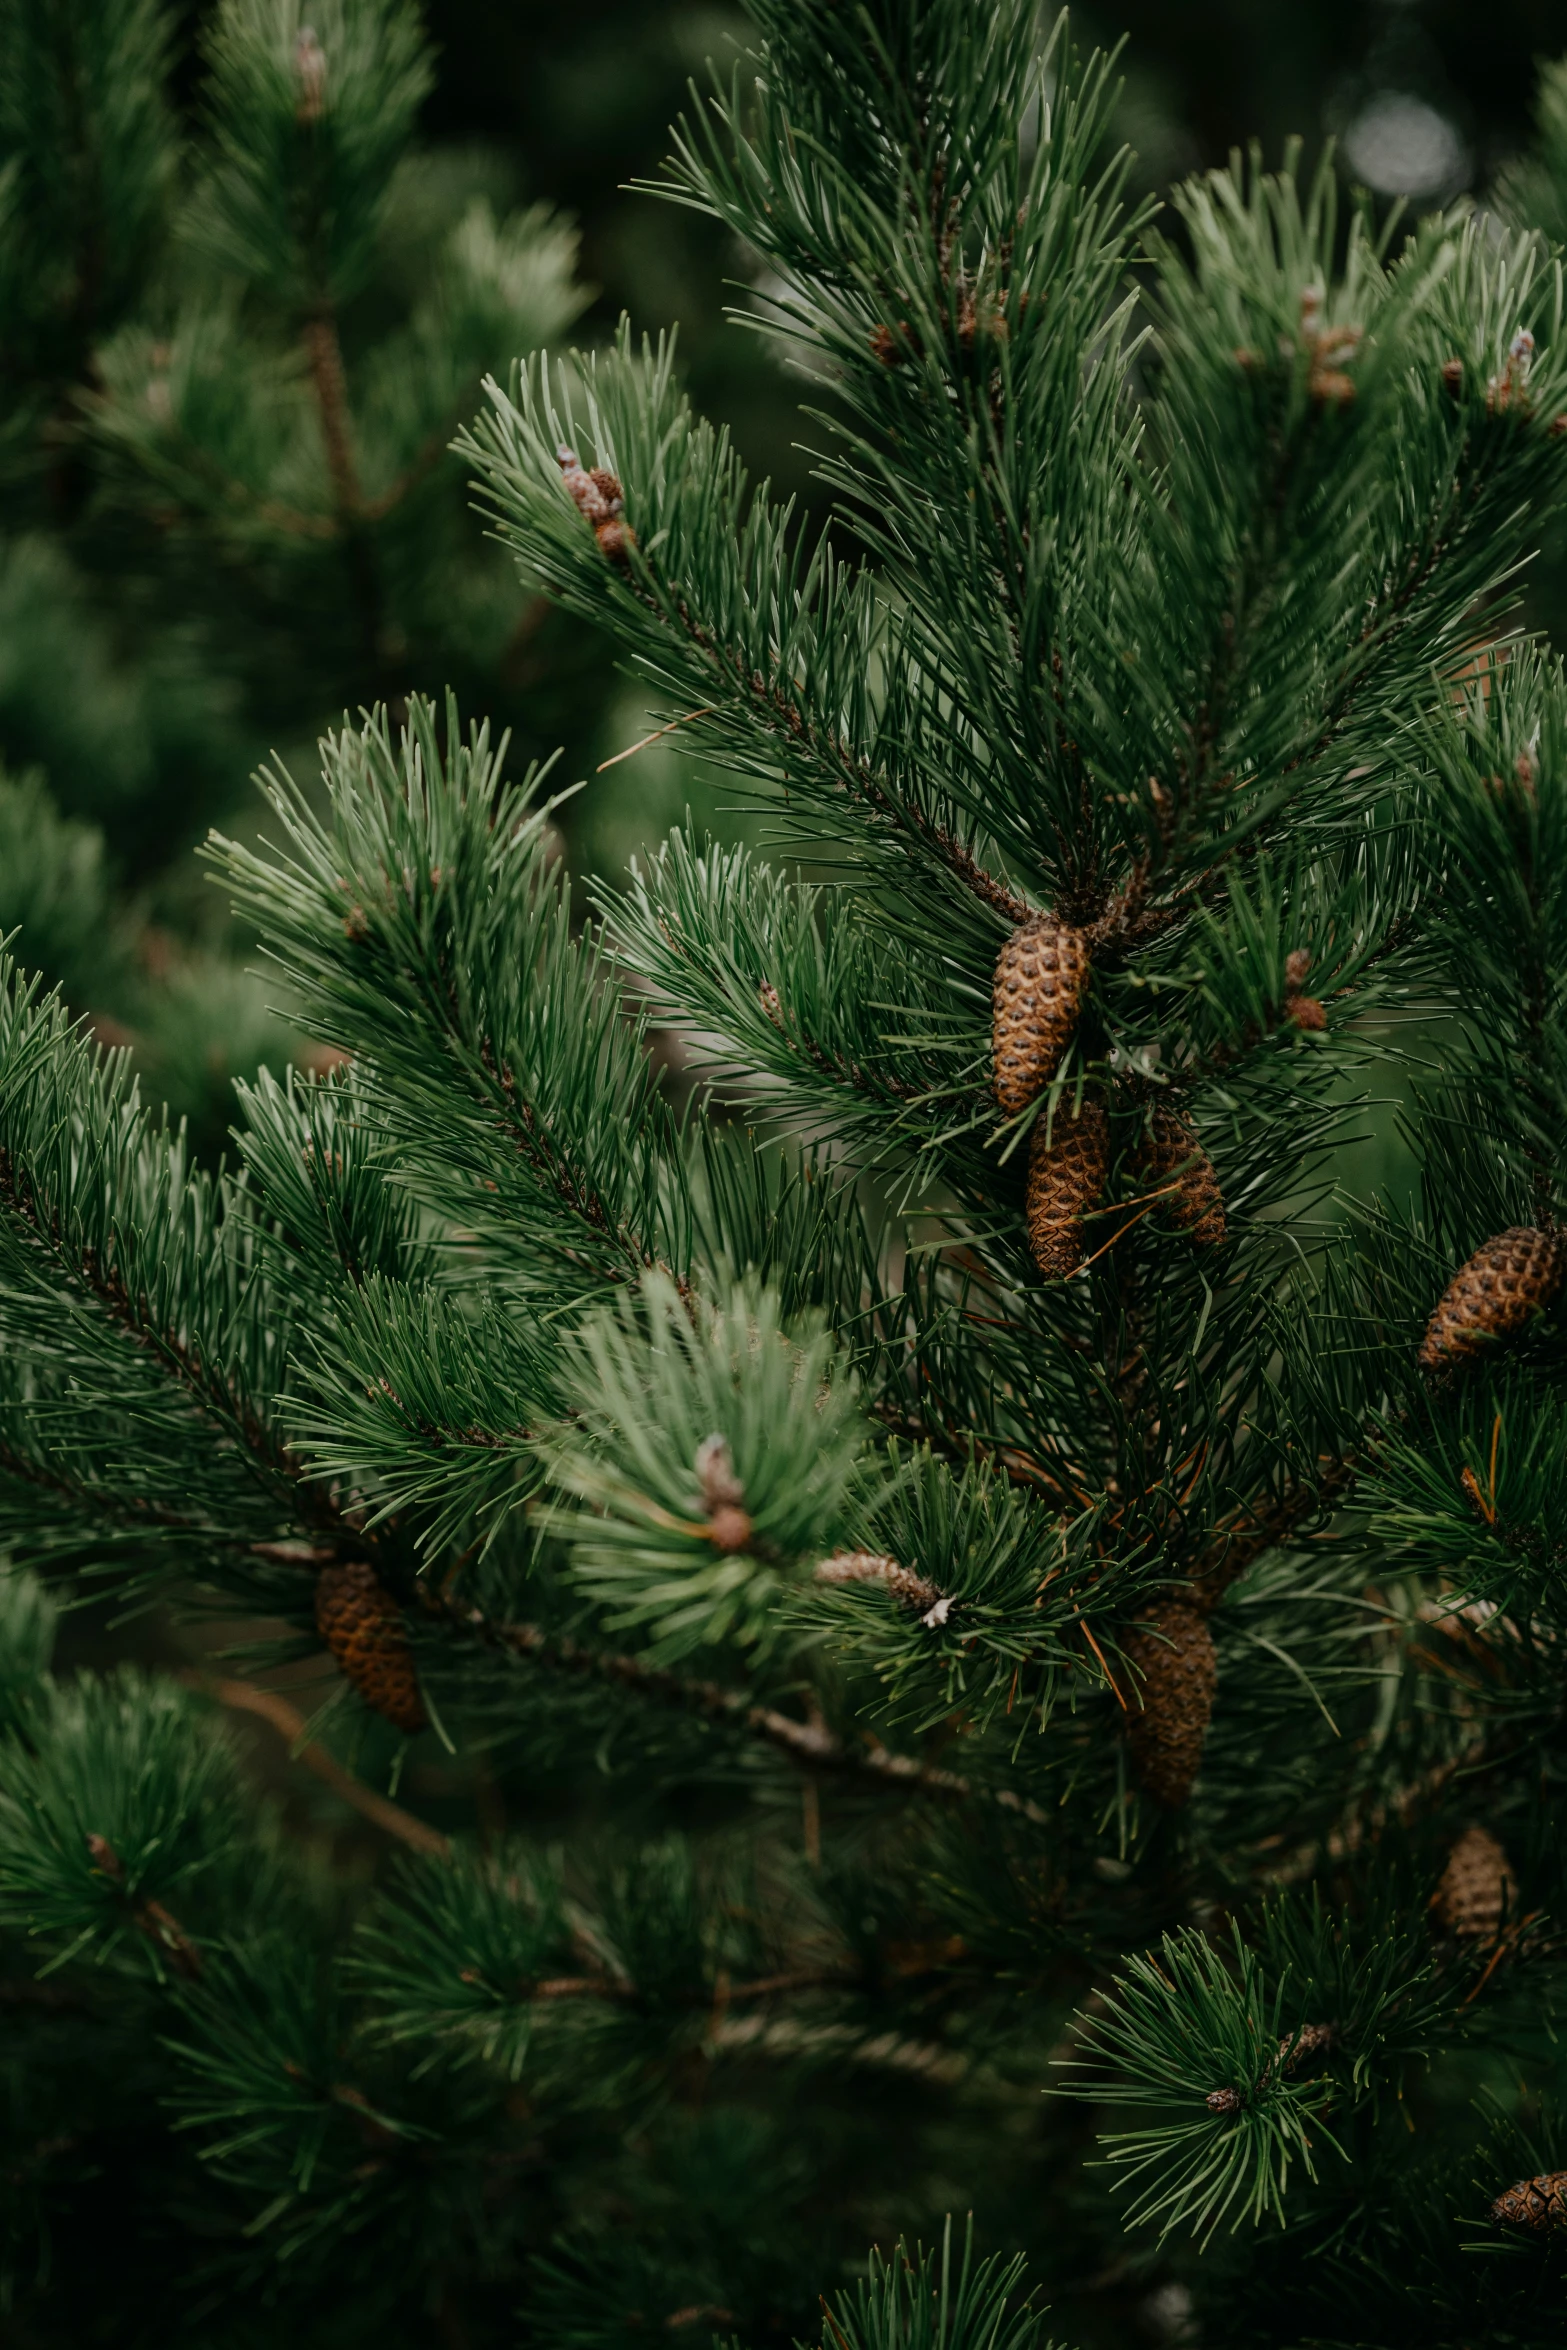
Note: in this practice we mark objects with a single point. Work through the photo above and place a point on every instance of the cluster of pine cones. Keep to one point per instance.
(1040, 981)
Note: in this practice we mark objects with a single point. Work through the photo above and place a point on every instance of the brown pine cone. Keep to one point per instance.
(363, 1627)
(1476, 1889)
(1066, 1177)
(1534, 2203)
(1041, 975)
(1506, 1282)
(1173, 1155)
(1176, 1673)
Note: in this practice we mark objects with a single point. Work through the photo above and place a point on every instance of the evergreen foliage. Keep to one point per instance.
(1076, 1741)
(237, 343)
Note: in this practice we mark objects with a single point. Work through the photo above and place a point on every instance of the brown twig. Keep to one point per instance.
(243, 1697)
(809, 1745)
(1237, 1548)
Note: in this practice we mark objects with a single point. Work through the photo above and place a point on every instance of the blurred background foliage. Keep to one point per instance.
(153, 649)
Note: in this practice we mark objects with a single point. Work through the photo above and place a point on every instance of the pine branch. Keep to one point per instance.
(810, 1745)
(289, 1723)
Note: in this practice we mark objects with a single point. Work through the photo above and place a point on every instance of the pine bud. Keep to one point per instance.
(1476, 1889)
(105, 1859)
(866, 1566)
(309, 75)
(1539, 2203)
(1177, 1672)
(1453, 378)
(598, 498)
(1173, 1157)
(1302, 1011)
(1507, 1281)
(362, 1625)
(723, 1496)
(1066, 1177)
(892, 348)
(1510, 389)
(1041, 976)
(729, 1529)
(715, 1473)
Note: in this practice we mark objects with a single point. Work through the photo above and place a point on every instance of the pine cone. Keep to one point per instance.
(1176, 1674)
(1476, 1888)
(1534, 2203)
(1041, 975)
(363, 1627)
(1194, 1202)
(1494, 1295)
(1066, 1177)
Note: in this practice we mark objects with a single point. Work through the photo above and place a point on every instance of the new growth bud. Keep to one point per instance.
(309, 76)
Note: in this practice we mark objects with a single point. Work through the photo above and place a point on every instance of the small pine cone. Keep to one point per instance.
(1476, 1889)
(1066, 1177)
(1041, 976)
(1505, 1283)
(1539, 2203)
(1194, 1203)
(1177, 1672)
(363, 1627)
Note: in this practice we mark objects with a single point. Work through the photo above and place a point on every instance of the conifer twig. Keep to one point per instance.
(244, 1697)
(810, 1745)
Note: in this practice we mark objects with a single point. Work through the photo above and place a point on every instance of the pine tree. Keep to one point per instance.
(238, 338)
(1000, 1623)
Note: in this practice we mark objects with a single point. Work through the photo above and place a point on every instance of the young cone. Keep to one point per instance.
(1174, 1156)
(1176, 1672)
(1067, 1165)
(1041, 975)
(363, 1627)
(1476, 1888)
(1534, 2203)
(1507, 1281)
